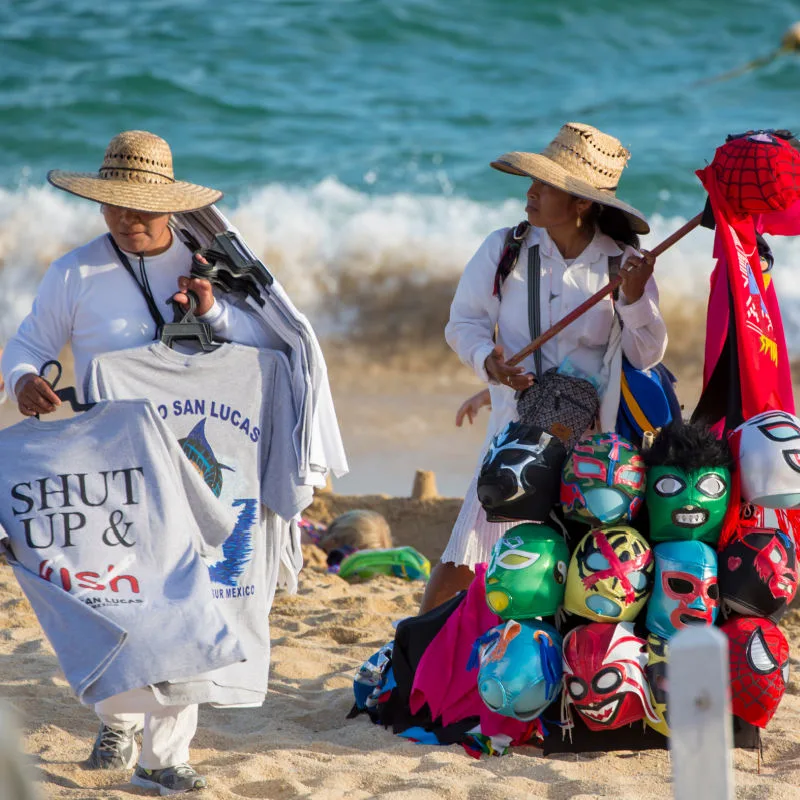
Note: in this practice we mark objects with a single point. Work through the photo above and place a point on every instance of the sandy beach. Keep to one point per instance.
(299, 744)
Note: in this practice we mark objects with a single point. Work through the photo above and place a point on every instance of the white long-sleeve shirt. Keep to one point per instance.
(592, 343)
(87, 298)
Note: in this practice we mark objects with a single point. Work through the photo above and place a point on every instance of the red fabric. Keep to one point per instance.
(442, 680)
(764, 372)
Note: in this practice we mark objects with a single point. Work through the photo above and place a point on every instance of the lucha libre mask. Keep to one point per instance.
(758, 573)
(769, 459)
(759, 660)
(685, 591)
(656, 672)
(520, 668)
(603, 481)
(604, 675)
(687, 504)
(527, 572)
(610, 575)
(521, 474)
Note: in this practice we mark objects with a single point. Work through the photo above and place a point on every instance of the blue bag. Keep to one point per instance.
(647, 401)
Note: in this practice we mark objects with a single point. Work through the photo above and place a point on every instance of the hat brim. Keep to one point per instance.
(535, 165)
(155, 198)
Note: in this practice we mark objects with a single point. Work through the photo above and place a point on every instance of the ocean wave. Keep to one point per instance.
(379, 269)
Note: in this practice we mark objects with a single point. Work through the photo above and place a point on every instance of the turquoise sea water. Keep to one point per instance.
(352, 138)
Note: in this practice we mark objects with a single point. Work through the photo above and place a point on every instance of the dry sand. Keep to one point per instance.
(300, 744)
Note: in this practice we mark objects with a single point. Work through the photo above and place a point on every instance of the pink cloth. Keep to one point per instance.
(442, 680)
(737, 287)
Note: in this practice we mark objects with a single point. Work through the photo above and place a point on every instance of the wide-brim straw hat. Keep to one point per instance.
(583, 161)
(136, 173)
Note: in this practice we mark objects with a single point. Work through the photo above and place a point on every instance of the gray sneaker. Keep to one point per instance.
(170, 780)
(113, 749)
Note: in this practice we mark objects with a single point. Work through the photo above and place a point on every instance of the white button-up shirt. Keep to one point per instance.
(591, 344)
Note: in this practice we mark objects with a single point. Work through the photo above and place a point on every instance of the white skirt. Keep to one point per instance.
(473, 538)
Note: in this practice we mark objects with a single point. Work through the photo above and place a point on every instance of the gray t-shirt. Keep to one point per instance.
(107, 521)
(232, 413)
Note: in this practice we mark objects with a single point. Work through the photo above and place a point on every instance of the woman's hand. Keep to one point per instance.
(200, 287)
(469, 408)
(500, 372)
(35, 396)
(635, 274)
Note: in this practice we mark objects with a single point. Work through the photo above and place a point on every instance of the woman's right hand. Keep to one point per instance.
(501, 372)
(35, 396)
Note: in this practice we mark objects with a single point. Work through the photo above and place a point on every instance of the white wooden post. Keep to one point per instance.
(14, 781)
(699, 715)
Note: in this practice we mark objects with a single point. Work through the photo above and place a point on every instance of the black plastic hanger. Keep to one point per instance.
(186, 326)
(67, 394)
(227, 264)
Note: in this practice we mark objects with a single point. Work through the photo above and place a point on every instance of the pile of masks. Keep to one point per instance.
(616, 551)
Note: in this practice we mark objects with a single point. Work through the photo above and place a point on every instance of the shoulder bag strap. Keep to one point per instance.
(508, 258)
(614, 267)
(144, 284)
(534, 302)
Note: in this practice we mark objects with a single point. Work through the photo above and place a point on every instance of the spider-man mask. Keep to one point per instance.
(768, 448)
(610, 575)
(685, 591)
(604, 675)
(759, 661)
(603, 481)
(758, 573)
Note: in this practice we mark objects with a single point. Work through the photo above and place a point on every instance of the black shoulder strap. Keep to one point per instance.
(614, 266)
(534, 302)
(144, 286)
(509, 256)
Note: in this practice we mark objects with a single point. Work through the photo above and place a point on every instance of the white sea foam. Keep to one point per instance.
(337, 250)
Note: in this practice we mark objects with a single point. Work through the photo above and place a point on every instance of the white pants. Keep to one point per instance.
(166, 730)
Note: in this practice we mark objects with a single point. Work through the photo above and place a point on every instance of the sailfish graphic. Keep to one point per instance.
(197, 449)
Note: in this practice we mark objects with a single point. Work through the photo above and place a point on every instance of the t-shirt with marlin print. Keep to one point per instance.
(232, 412)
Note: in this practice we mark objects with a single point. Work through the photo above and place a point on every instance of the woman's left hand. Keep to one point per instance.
(635, 274)
(200, 287)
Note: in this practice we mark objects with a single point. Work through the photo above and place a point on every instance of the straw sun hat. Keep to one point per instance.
(583, 161)
(136, 173)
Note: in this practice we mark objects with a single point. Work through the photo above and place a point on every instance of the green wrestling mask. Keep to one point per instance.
(527, 572)
(688, 484)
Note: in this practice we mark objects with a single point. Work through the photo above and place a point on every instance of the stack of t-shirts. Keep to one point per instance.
(231, 411)
(317, 437)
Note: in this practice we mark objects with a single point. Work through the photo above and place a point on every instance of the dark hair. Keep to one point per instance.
(613, 222)
(690, 445)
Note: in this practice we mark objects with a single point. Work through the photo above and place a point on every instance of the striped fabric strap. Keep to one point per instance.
(534, 302)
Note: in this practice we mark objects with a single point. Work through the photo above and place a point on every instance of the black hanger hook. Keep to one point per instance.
(59, 371)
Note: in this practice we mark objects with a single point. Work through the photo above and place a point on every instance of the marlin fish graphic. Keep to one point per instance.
(197, 449)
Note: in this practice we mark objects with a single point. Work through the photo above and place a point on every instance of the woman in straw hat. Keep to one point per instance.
(90, 299)
(104, 296)
(578, 224)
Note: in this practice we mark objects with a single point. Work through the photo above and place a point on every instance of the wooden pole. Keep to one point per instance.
(609, 288)
(699, 715)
